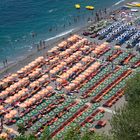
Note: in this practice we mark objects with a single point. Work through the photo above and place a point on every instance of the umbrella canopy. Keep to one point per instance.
(8, 116)
(1, 108)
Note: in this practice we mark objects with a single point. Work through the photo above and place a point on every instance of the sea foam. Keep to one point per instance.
(60, 35)
(117, 3)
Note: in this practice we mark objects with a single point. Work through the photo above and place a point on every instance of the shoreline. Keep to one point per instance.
(50, 42)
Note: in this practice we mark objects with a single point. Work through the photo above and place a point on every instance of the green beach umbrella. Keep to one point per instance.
(101, 115)
(61, 120)
(88, 125)
(19, 122)
(83, 129)
(96, 118)
(39, 107)
(48, 101)
(44, 105)
(52, 127)
(69, 113)
(56, 123)
(38, 124)
(89, 110)
(56, 110)
(30, 114)
(81, 103)
(25, 118)
(105, 97)
(78, 120)
(65, 117)
(85, 114)
(77, 106)
(64, 104)
(93, 107)
(42, 120)
(97, 104)
(69, 100)
(51, 114)
(34, 128)
(72, 110)
(59, 135)
(82, 89)
(35, 112)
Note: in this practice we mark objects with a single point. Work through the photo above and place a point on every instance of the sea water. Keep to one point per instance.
(48, 19)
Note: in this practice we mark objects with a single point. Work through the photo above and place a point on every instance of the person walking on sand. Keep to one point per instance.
(6, 62)
(3, 63)
(44, 44)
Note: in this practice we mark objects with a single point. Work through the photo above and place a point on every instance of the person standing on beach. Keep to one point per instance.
(44, 44)
(6, 62)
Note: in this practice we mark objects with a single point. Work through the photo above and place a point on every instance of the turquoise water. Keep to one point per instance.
(18, 18)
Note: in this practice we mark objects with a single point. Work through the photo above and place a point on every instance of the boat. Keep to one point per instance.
(134, 4)
(90, 7)
(77, 6)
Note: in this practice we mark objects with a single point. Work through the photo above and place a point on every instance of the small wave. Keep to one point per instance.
(60, 35)
(119, 2)
(52, 10)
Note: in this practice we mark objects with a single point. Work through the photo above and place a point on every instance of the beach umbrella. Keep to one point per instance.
(117, 47)
(1, 108)
(10, 130)
(34, 128)
(35, 112)
(75, 82)
(59, 80)
(4, 135)
(30, 114)
(68, 88)
(42, 120)
(82, 76)
(44, 105)
(39, 107)
(72, 85)
(41, 80)
(22, 105)
(49, 88)
(4, 94)
(8, 101)
(38, 124)
(36, 96)
(52, 71)
(8, 116)
(13, 112)
(45, 76)
(19, 122)
(33, 100)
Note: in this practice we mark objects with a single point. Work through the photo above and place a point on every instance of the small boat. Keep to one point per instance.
(90, 7)
(134, 4)
(77, 6)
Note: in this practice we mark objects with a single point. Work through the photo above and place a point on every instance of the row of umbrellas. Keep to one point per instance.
(100, 48)
(67, 61)
(36, 97)
(39, 81)
(35, 73)
(68, 51)
(82, 76)
(13, 87)
(17, 96)
(75, 68)
(31, 65)
(11, 114)
(64, 43)
(4, 82)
